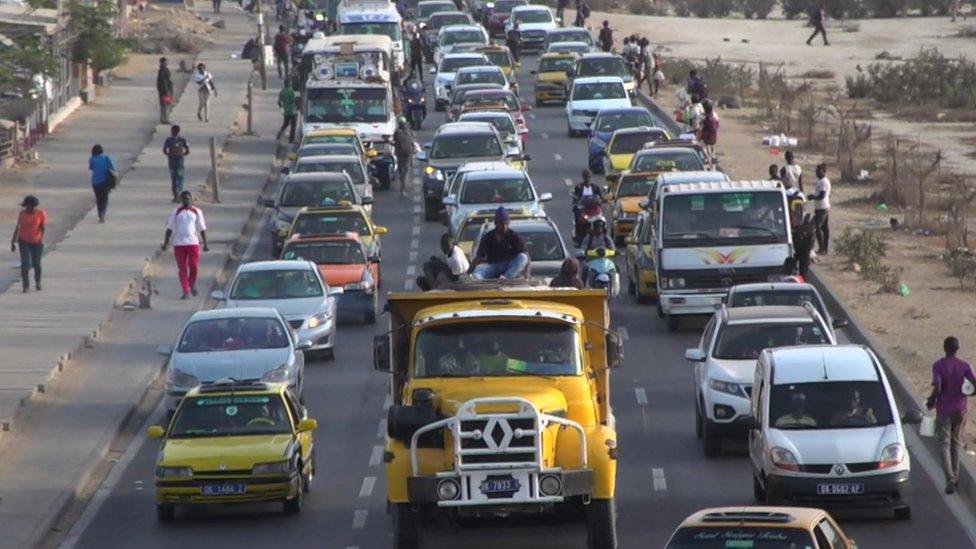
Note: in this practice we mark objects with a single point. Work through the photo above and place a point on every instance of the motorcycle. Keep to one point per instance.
(413, 98)
(601, 272)
(588, 207)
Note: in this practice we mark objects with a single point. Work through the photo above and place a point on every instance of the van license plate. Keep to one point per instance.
(839, 489)
(500, 486)
(223, 489)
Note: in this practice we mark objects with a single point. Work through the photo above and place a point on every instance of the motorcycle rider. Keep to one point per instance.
(584, 191)
(595, 240)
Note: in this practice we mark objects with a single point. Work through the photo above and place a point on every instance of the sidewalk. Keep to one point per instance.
(70, 424)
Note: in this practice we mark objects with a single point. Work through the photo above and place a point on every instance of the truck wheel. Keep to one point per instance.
(406, 527)
(903, 513)
(601, 524)
(758, 492)
(673, 323)
(165, 512)
(711, 442)
(431, 210)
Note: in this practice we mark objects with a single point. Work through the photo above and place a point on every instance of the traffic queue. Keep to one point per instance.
(500, 376)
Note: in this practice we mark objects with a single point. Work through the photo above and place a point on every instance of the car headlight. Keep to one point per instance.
(273, 468)
(362, 285)
(892, 455)
(179, 378)
(434, 173)
(783, 459)
(489, 5)
(422, 25)
(672, 283)
(174, 472)
(278, 375)
(726, 387)
(318, 319)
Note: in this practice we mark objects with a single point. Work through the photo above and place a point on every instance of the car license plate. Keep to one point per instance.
(223, 489)
(500, 486)
(839, 489)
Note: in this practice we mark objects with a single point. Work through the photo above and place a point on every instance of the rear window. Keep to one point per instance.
(439, 20)
(330, 224)
(507, 99)
(636, 186)
(506, 6)
(746, 341)
(461, 36)
(556, 64)
(602, 90)
(542, 245)
(532, 16)
(776, 297)
(664, 160)
(574, 36)
(316, 193)
(481, 77)
(331, 252)
(630, 143)
(740, 537)
(353, 169)
(496, 191)
(608, 66)
(612, 121)
(452, 64)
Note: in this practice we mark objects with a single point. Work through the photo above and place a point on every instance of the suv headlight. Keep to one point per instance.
(726, 387)
(892, 455)
(319, 319)
(672, 283)
(783, 459)
(273, 468)
(174, 472)
(278, 375)
(179, 378)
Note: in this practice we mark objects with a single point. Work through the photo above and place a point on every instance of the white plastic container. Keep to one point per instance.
(927, 427)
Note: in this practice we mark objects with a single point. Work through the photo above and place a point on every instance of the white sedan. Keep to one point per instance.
(588, 96)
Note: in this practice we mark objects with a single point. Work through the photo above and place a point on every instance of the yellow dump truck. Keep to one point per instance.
(501, 405)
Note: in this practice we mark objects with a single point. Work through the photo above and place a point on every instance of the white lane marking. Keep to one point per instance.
(641, 394)
(544, 135)
(412, 270)
(359, 519)
(416, 209)
(415, 243)
(568, 182)
(416, 220)
(381, 430)
(660, 482)
(408, 284)
(930, 464)
(415, 231)
(558, 157)
(387, 403)
(352, 547)
(413, 256)
(532, 115)
(366, 490)
(376, 456)
(416, 198)
(624, 336)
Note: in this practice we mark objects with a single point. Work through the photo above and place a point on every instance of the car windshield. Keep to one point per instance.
(740, 537)
(556, 64)
(499, 58)
(480, 77)
(695, 220)
(439, 20)
(330, 224)
(276, 284)
(542, 244)
(497, 348)
(571, 36)
(746, 341)
(298, 194)
(452, 64)
(233, 334)
(752, 298)
(425, 10)
(466, 146)
(636, 185)
(532, 16)
(506, 6)
(449, 38)
(350, 167)
(390, 29)
(508, 189)
(338, 105)
(328, 252)
(503, 124)
(604, 66)
(506, 99)
(231, 415)
(829, 405)
(630, 143)
(677, 160)
(598, 90)
(321, 149)
(613, 121)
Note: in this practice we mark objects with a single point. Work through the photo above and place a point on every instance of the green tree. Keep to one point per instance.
(93, 35)
(21, 61)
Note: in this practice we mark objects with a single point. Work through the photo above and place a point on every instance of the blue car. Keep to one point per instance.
(608, 121)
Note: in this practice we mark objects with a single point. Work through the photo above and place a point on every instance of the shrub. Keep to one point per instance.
(887, 8)
(867, 249)
(711, 8)
(722, 78)
(682, 8)
(818, 74)
(793, 9)
(929, 77)
(94, 34)
(888, 277)
(858, 86)
(758, 9)
(930, 7)
(962, 265)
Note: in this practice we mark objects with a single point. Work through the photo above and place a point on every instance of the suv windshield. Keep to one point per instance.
(449, 38)
(328, 252)
(330, 224)
(598, 90)
(603, 66)
(571, 36)
(636, 185)
(231, 415)
(233, 334)
(629, 143)
(337, 105)
(746, 341)
(510, 189)
(506, 6)
(752, 298)
(829, 405)
(532, 16)
(703, 219)
(497, 348)
(668, 160)
(391, 29)
(466, 146)
(298, 194)
(452, 64)
(556, 64)
(481, 77)
(276, 284)
(350, 167)
(740, 537)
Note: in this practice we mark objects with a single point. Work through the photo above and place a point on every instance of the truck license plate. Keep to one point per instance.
(223, 489)
(839, 489)
(500, 486)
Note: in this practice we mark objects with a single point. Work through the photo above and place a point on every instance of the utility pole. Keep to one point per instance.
(263, 60)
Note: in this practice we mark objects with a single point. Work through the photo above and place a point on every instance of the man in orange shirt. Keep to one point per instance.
(29, 235)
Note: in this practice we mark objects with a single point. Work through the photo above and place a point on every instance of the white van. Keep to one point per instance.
(373, 17)
(825, 431)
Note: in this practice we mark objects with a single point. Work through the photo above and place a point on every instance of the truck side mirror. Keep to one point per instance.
(615, 350)
(381, 353)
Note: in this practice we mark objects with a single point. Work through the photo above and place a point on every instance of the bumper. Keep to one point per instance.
(423, 489)
(433, 188)
(691, 303)
(880, 491)
(580, 123)
(355, 301)
(550, 94)
(190, 492)
(623, 226)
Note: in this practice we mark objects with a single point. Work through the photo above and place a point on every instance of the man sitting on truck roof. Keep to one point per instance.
(501, 252)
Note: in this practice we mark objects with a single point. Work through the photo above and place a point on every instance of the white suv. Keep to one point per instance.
(825, 431)
(725, 362)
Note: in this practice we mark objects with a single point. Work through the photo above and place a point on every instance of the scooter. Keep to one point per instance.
(413, 98)
(601, 271)
(588, 207)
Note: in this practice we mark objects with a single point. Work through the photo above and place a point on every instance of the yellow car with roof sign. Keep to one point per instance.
(625, 196)
(338, 135)
(340, 219)
(235, 442)
(552, 77)
(758, 527)
(501, 57)
(624, 144)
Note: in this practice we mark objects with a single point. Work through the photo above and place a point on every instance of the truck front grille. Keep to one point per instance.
(498, 440)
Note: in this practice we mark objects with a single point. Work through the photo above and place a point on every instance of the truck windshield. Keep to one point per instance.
(391, 29)
(829, 405)
(497, 348)
(339, 105)
(714, 219)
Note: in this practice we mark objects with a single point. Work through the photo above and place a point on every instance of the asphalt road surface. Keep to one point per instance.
(663, 474)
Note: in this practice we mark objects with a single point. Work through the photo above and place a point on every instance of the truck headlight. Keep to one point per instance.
(550, 485)
(892, 455)
(726, 387)
(319, 319)
(672, 283)
(174, 472)
(783, 459)
(273, 468)
(448, 489)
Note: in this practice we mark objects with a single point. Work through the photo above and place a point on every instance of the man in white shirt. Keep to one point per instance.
(441, 272)
(182, 228)
(821, 209)
(792, 173)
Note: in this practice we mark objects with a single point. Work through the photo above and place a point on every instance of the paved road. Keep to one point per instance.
(663, 475)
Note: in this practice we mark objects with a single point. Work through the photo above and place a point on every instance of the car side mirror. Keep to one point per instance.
(449, 201)
(293, 156)
(615, 350)
(912, 417)
(533, 72)
(156, 432)
(307, 425)
(336, 290)
(303, 345)
(366, 200)
(268, 203)
(372, 153)
(694, 355)
(165, 350)
(285, 170)
(840, 323)
(421, 156)
(751, 423)
(545, 197)
(218, 295)
(381, 353)
(380, 230)
(526, 157)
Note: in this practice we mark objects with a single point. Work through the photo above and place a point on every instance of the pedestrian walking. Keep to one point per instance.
(288, 102)
(560, 11)
(708, 130)
(104, 178)
(176, 149)
(821, 209)
(817, 20)
(216, 6)
(206, 90)
(696, 85)
(514, 41)
(404, 146)
(29, 237)
(948, 398)
(605, 37)
(658, 75)
(582, 13)
(186, 229)
(164, 88)
(282, 49)
(793, 173)
(417, 57)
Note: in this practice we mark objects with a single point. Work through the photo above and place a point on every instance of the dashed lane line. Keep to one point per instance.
(416, 209)
(408, 284)
(558, 157)
(359, 519)
(544, 135)
(388, 402)
(641, 394)
(416, 231)
(568, 182)
(416, 220)
(660, 482)
(413, 256)
(381, 429)
(412, 270)
(415, 243)
(366, 490)
(376, 456)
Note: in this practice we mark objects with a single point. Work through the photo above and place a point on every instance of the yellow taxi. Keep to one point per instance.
(624, 144)
(339, 219)
(640, 260)
(235, 442)
(469, 229)
(757, 527)
(625, 196)
(501, 57)
(337, 135)
(552, 77)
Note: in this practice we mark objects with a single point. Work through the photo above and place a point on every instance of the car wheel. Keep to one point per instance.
(758, 492)
(307, 479)
(711, 442)
(165, 512)
(903, 513)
